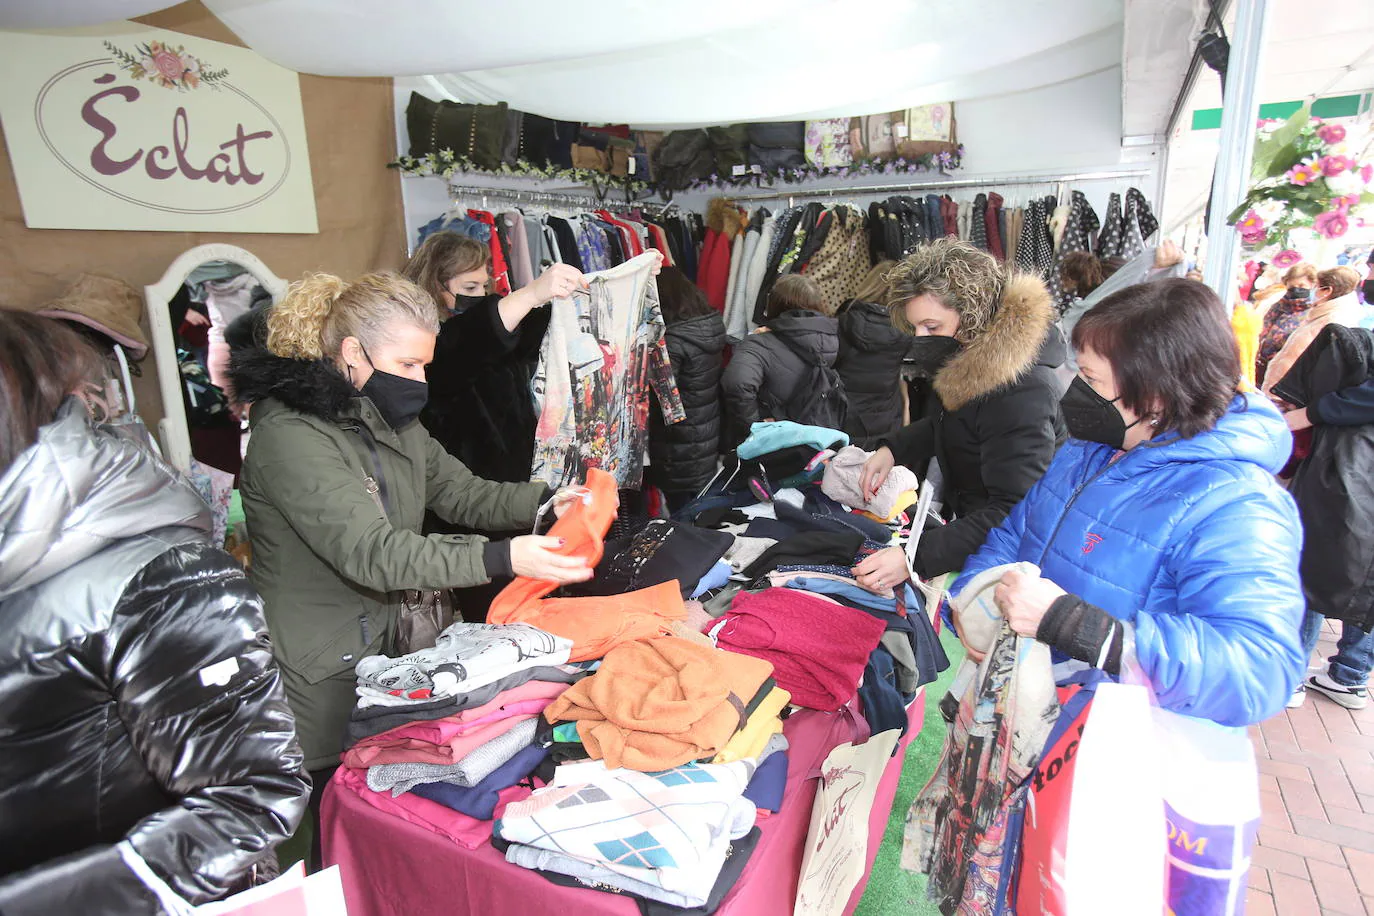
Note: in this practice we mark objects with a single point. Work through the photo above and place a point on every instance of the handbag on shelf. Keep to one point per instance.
(473, 132)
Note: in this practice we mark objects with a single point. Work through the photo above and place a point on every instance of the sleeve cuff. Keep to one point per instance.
(1083, 631)
(496, 560)
(1314, 410)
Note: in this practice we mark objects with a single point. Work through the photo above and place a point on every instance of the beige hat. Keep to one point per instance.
(110, 306)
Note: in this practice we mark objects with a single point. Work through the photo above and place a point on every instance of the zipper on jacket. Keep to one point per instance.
(365, 627)
(1065, 513)
(376, 484)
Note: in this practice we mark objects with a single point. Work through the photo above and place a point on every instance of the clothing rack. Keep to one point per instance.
(990, 182)
(557, 198)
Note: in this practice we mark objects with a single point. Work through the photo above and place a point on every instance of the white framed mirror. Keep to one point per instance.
(240, 282)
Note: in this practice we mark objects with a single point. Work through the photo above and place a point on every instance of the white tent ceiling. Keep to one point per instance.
(650, 63)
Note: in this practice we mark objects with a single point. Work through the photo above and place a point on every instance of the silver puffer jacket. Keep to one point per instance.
(138, 697)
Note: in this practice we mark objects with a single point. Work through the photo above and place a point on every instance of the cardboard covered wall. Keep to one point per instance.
(351, 136)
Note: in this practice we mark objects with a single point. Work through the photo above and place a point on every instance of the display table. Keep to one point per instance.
(392, 867)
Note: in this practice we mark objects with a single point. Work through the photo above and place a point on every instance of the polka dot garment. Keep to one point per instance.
(1078, 236)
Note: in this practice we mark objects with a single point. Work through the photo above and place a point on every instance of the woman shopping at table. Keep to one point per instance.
(987, 336)
(1159, 529)
(336, 482)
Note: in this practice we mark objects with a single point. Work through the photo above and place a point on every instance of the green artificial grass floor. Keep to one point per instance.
(890, 889)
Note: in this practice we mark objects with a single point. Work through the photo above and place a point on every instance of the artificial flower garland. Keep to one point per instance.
(445, 164)
(1305, 178)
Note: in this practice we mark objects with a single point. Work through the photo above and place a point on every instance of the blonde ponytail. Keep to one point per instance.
(320, 311)
(295, 326)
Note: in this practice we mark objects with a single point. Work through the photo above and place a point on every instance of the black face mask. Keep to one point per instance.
(1368, 288)
(1091, 417)
(1298, 294)
(399, 399)
(463, 303)
(931, 352)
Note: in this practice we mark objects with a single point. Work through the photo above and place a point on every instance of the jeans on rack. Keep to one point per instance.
(1354, 658)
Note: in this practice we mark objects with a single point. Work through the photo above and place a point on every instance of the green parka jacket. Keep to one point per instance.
(330, 563)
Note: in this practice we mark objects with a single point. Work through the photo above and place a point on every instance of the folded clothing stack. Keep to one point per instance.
(660, 703)
(664, 836)
(465, 657)
(818, 648)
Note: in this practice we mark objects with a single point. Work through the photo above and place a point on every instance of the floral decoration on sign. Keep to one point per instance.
(1305, 178)
(444, 164)
(942, 162)
(169, 67)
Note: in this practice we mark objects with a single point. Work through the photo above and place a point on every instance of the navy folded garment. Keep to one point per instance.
(766, 787)
(882, 703)
(480, 800)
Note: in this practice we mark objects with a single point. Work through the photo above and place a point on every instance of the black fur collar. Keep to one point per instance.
(310, 386)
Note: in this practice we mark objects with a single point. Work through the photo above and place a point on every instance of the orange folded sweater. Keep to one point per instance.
(658, 704)
(595, 625)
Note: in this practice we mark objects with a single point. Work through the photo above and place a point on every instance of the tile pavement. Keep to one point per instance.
(1316, 839)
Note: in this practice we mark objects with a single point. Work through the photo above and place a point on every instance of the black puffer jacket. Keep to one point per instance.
(683, 456)
(138, 697)
(994, 424)
(765, 372)
(870, 363)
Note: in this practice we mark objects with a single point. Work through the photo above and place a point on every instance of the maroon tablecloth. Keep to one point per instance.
(394, 868)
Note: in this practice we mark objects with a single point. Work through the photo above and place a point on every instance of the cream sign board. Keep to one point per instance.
(128, 127)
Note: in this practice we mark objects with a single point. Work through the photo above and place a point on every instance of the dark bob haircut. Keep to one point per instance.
(679, 297)
(1171, 349)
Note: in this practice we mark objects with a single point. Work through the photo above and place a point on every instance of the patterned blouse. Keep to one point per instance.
(1279, 322)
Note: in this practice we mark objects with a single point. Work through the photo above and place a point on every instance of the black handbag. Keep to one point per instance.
(728, 144)
(473, 132)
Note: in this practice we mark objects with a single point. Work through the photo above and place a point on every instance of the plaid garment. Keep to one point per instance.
(670, 829)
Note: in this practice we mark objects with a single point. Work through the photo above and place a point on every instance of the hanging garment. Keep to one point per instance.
(1112, 241)
(999, 714)
(595, 625)
(522, 269)
(1140, 223)
(949, 211)
(736, 269)
(978, 222)
(965, 218)
(935, 221)
(739, 311)
(1035, 252)
(535, 245)
(1015, 221)
(500, 271)
(603, 352)
(842, 261)
(784, 229)
(993, 220)
(1080, 228)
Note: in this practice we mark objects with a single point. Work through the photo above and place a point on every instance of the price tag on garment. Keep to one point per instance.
(899, 130)
(633, 165)
(738, 171)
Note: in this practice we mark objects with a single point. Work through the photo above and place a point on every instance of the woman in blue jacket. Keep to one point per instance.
(1159, 529)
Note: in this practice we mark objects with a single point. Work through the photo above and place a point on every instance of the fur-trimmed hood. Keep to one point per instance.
(1019, 336)
(311, 386)
(725, 217)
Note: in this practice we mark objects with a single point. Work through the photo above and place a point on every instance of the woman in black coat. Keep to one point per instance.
(870, 360)
(480, 407)
(682, 457)
(993, 423)
(765, 377)
(143, 728)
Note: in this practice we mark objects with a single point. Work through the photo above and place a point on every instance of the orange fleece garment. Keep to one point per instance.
(658, 704)
(595, 625)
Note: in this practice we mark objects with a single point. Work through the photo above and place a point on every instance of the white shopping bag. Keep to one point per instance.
(836, 854)
(294, 893)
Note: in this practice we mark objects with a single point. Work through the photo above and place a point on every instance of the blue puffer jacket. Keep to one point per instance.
(1193, 543)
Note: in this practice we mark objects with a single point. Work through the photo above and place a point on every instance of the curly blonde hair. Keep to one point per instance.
(440, 258)
(320, 310)
(963, 277)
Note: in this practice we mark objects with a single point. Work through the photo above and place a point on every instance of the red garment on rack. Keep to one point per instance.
(949, 214)
(500, 270)
(713, 273)
(633, 245)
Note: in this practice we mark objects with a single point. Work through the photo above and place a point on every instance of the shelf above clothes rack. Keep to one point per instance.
(992, 181)
(553, 198)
